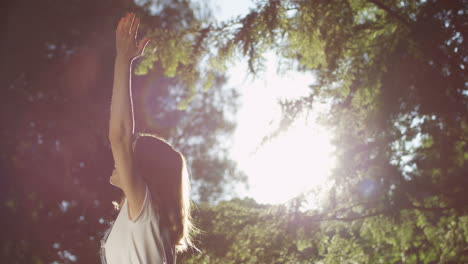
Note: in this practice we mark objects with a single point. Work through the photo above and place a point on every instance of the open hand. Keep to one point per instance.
(126, 34)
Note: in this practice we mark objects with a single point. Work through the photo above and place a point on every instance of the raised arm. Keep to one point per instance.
(122, 118)
(121, 125)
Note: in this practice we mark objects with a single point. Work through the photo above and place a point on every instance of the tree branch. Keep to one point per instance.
(348, 219)
(391, 12)
(430, 209)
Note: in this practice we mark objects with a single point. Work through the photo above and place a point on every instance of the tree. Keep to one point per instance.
(394, 75)
(386, 82)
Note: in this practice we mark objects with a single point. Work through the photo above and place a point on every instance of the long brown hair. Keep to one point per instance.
(165, 171)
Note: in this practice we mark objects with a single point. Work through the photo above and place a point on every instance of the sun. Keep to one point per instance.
(295, 162)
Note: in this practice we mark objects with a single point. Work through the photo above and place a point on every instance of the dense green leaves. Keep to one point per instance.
(241, 231)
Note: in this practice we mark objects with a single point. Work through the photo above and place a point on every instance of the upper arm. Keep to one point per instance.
(130, 182)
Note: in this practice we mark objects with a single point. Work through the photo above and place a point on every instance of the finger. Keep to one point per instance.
(142, 45)
(130, 24)
(135, 26)
(125, 27)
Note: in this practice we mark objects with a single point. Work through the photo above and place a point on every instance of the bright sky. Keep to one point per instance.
(226, 9)
(297, 160)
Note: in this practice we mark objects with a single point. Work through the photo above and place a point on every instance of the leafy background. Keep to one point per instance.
(394, 73)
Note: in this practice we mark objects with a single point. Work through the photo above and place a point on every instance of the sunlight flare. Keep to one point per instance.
(299, 158)
(296, 161)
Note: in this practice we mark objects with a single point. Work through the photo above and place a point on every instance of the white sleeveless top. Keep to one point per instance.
(140, 241)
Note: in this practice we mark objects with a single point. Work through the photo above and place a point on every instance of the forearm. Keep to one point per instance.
(121, 114)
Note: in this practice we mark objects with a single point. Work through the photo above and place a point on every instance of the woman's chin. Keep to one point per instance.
(111, 181)
(114, 182)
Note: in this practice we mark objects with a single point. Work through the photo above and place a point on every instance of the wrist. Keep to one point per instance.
(122, 59)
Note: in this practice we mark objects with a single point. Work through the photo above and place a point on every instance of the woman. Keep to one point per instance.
(154, 221)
